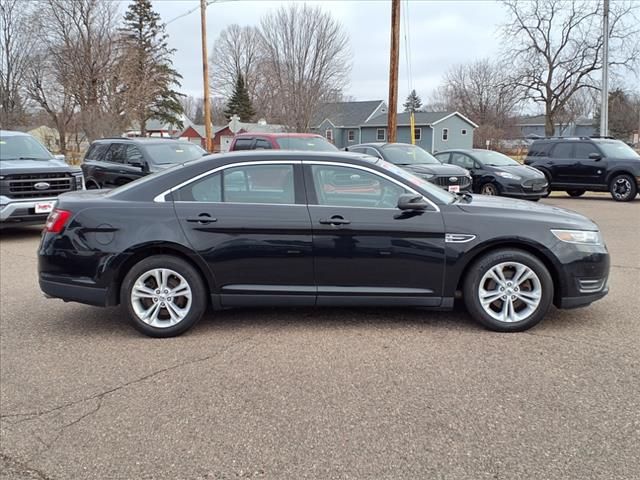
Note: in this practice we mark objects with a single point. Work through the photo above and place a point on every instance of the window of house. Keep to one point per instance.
(329, 134)
(381, 134)
(417, 134)
(445, 134)
(463, 131)
(352, 187)
(351, 135)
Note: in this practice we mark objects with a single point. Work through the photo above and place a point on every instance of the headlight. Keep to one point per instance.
(508, 175)
(582, 237)
(426, 176)
(79, 181)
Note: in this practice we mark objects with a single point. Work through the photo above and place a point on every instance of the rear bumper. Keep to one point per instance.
(75, 293)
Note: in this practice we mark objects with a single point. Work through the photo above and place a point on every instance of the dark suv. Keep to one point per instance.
(582, 164)
(112, 162)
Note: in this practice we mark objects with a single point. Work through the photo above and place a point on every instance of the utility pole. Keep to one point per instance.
(392, 121)
(604, 104)
(205, 77)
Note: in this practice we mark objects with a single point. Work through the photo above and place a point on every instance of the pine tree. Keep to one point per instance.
(147, 68)
(413, 102)
(240, 103)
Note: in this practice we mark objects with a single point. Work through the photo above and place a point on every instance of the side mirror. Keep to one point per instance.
(409, 201)
(60, 157)
(595, 156)
(137, 165)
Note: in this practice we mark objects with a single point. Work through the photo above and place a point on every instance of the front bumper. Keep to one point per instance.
(518, 190)
(22, 211)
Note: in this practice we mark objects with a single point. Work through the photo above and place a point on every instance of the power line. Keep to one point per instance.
(189, 12)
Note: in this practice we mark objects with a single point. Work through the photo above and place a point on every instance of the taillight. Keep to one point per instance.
(57, 220)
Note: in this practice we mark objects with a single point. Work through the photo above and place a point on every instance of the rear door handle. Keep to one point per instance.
(202, 219)
(335, 220)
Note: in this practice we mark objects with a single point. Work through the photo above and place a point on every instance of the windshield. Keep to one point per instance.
(489, 157)
(439, 193)
(22, 147)
(315, 144)
(404, 154)
(617, 149)
(170, 152)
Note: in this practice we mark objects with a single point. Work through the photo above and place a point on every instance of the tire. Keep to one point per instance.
(548, 192)
(167, 316)
(575, 193)
(623, 188)
(489, 189)
(537, 289)
(92, 186)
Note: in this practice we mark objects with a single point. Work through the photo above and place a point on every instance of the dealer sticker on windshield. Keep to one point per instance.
(44, 207)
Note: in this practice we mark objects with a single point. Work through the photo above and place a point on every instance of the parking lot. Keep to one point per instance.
(313, 393)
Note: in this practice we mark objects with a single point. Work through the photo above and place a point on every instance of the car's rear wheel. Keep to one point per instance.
(489, 189)
(575, 193)
(508, 290)
(623, 188)
(164, 296)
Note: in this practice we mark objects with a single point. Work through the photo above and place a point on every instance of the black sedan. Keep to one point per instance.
(419, 162)
(496, 174)
(303, 229)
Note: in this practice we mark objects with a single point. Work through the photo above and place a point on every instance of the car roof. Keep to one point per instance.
(277, 135)
(141, 140)
(13, 133)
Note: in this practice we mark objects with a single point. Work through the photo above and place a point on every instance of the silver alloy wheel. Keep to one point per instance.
(621, 188)
(489, 189)
(161, 298)
(510, 292)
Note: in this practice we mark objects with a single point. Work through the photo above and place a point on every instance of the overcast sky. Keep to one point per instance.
(441, 34)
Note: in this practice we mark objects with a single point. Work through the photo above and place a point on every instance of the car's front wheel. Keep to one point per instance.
(164, 296)
(508, 290)
(623, 188)
(575, 193)
(489, 189)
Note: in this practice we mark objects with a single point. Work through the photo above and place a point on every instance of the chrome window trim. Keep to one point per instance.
(160, 198)
(373, 171)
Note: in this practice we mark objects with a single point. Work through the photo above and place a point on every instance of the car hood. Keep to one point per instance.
(510, 207)
(523, 171)
(8, 167)
(435, 169)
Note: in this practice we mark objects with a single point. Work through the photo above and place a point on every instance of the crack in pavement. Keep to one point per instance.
(629, 267)
(101, 395)
(7, 461)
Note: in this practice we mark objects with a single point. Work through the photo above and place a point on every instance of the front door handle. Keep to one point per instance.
(203, 219)
(335, 220)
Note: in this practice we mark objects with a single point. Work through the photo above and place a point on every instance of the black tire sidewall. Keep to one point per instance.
(633, 191)
(190, 274)
(492, 185)
(487, 261)
(576, 193)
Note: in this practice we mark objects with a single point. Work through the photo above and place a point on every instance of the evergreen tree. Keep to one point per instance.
(147, 69)
(413, 102)
(240, 103)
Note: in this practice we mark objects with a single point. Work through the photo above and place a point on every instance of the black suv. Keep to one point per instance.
(582, 164)
(112, 162)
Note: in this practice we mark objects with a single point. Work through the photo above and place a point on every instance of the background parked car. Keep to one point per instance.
(419, 162)
(112, 162)
(582, 164)
(31, 178)
(281, 141)
(496, 174)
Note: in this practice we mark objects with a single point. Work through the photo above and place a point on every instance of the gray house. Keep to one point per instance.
(350, 123)
(533, 127)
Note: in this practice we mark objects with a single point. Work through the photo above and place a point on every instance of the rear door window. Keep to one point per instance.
(97, 152)
(134, 156)
(562, 150)
(243, 144)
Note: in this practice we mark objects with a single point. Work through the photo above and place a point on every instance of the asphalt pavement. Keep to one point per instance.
(322, 393)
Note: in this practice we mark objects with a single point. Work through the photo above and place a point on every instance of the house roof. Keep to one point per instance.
(345, 114)
(539, 120)
(421, 118)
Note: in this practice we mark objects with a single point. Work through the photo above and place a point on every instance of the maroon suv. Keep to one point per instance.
(281, 141)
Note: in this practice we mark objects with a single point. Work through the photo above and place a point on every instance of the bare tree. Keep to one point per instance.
(555, 47)
(16, 44)
(80, 38)
(236, 52)
(305, 59)
(480, 91)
